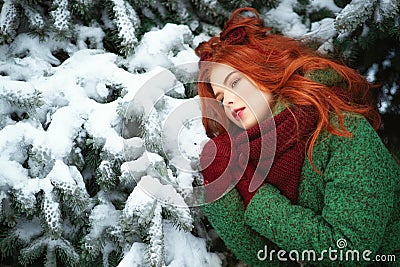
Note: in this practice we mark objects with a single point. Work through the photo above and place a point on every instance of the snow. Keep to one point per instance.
(134, 258)
(11, 141)
(127, 21)
(11, 89)
(133, 148)
(183, 131)
(150, 189)
(371, 73)
(138, 167)
(323, 29)
(202, 37)
(137, 202)
(33, 47)
(329, 4)
(61, 173)
(285, 19)
(156, 47)
(184, 249)
(94, 35)
(26, 230)
(182, 57)
(75, 95)
(163, 193)
(185, 181)
(102, 216)
(34, 185)
(12, 174)
(10, 85)
(289, 23)
(66, 122)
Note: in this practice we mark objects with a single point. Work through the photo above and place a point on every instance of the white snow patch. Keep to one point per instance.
(285, 19)
(134, 258)
(184, 249)
(157, 46)
(103, 216)
(329, 4)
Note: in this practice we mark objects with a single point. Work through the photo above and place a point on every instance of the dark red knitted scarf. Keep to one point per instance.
(251, 157)
(284, 167)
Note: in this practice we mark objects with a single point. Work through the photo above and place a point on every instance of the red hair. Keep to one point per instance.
(278, 65)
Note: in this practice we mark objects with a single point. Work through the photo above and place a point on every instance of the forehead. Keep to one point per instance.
(219, 72)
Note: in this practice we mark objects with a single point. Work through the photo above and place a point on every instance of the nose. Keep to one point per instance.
(229, 98)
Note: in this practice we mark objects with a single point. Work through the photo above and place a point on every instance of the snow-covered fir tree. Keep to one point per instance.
(93, 171)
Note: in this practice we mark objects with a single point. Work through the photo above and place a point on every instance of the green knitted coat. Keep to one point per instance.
(354, 207)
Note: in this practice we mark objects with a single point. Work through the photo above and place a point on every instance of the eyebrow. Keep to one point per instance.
(229, 75)
(225, 80)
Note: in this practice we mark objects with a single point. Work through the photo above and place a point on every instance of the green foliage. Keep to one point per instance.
(40, 161)
(8, 243)
(109, 171)
(104, 242)
(9, 23)
(69, 230)
(356, 15)
(51, 249)
(91, 154)
(106, 177)
(124, 22)
(21, 99)
(317, 15)
(73, 198)
(156, 251)
(311, 14)
(113, 259)
(116, 90)
(373, 45)
(22, 203)
(35, 249)
(85, 10)
(7, 217)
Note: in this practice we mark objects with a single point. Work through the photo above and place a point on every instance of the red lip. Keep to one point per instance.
(237, 113)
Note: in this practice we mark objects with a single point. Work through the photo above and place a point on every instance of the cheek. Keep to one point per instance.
(228, 113)
(263, 101)
(260, 108)
(232, 119)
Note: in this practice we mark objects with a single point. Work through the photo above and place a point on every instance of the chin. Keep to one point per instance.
(250, 123)
(246, 126)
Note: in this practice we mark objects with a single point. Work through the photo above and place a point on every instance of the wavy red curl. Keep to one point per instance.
(278, 64)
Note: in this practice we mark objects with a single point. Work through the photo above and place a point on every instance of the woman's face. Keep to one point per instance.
(244, 103)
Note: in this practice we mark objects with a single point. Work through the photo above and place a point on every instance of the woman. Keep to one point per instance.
(293, 135)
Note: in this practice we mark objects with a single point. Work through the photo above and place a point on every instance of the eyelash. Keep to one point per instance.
(235, 82)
